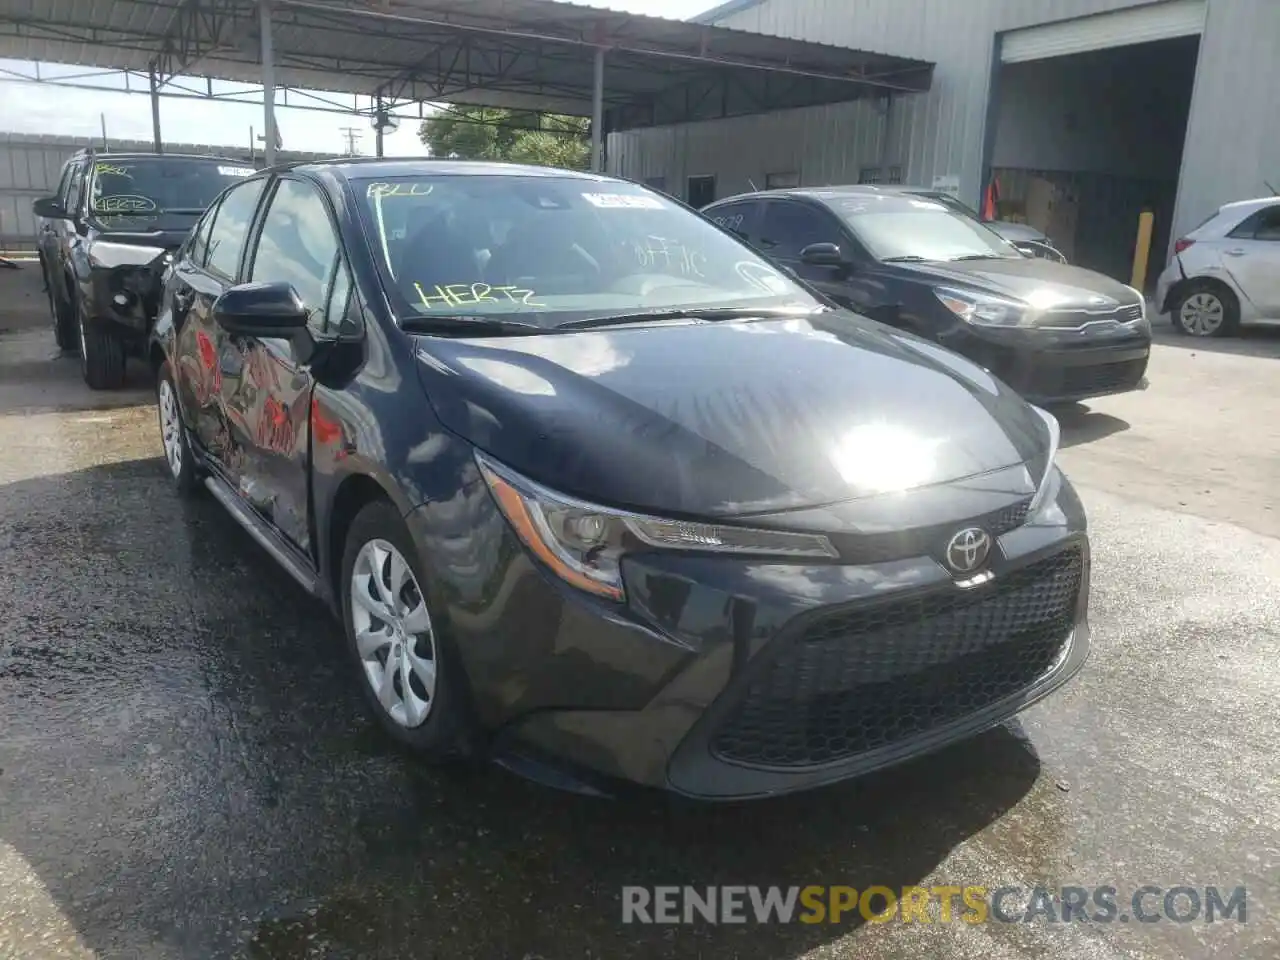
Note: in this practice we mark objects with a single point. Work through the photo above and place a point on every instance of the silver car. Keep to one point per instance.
(1225, 272)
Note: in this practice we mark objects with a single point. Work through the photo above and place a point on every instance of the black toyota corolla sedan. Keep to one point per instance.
(1056, 333)
(598, 492)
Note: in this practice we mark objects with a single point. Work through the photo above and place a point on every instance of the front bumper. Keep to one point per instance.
(126, 297)
(1058, 367)
(712, 683)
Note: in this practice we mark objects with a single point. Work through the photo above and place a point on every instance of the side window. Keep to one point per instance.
(341, 316)
(230, 227)
(75, 189)
(198, 245)
(298, 244)
(738, 218)
(790, 227)
(64, 181)
(1268, 225)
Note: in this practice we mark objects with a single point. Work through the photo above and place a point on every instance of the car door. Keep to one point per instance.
(269, 405)
(47, 235)
(1251, 255)
(208, 264)
(66, 230)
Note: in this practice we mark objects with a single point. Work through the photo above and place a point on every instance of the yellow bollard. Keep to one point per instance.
(1142, 249)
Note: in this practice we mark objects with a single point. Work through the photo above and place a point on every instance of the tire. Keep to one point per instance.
(64, 322)
(178, 457)
(102, 359)
(1205, 309)
(445, 732)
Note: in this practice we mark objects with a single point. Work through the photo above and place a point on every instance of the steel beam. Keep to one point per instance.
(268, 83)
(597, 114)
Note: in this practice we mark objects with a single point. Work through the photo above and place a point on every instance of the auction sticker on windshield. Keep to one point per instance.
(236, 171)
(622, 201)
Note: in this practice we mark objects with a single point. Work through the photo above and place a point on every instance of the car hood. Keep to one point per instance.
(1045, 284)
(165, 231)
(730, 418)
(1015, 232)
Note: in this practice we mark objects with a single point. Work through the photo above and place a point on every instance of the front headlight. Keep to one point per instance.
(105, 253)
(1143, 322)
(583, 543)
(982, 309)
(1046, 485)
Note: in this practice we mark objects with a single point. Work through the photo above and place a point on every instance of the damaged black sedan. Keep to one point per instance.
(105, 241)
(598, 492)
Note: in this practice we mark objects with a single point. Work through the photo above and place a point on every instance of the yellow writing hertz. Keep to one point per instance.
(469, 294)
(111, 168)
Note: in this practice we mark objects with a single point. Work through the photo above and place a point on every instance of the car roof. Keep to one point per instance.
(160, 156)
(1248, 206)
(372, 168)
(825, 194)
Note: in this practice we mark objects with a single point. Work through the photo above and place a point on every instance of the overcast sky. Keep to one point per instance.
(28, 108)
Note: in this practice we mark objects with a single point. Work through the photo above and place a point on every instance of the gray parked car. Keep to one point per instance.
(1225, 272)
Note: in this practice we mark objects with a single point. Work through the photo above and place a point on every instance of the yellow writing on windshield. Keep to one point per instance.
(399, 190)
(112, 169)
(470, 294)
(123, 204)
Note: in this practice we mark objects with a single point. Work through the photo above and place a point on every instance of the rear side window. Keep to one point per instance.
(198, 248)
(737, 218)
(1263, 224)
(231, 227)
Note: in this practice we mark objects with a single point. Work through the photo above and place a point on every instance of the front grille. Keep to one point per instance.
(1078, 318)
(1102, 377)
(861, 679)
(931, 541)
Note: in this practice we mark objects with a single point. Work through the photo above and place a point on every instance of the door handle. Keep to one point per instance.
(1235, 253)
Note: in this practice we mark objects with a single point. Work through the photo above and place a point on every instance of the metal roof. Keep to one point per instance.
(521, 54)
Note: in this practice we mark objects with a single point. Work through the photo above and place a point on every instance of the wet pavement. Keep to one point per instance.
(187, 771)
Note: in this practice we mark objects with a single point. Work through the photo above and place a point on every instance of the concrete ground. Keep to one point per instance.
(186, 770)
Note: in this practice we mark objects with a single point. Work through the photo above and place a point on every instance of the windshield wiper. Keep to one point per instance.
(469, 326)
(981, 256)
(686, 313)
(184, 210)
(912, 258)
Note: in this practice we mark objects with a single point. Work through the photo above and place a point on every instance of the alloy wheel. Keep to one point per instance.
(1202, 314)
(170, 428)
(393, 632)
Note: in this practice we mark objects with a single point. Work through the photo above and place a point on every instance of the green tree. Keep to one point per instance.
(486, 133)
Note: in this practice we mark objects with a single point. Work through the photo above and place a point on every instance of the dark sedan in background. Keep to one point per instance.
(598, 491)
(1054, 332)
(106, 238)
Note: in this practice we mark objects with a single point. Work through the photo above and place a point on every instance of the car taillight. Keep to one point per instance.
(1182, 244)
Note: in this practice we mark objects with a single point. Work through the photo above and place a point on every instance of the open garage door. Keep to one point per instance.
(1156, 21)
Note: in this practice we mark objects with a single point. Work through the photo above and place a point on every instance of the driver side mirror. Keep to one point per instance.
(261, 310)
(50, 208)
(824, 255)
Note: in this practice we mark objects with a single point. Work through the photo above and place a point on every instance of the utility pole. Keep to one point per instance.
(352, 135)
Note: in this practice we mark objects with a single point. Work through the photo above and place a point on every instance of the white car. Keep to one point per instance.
(1226, 271)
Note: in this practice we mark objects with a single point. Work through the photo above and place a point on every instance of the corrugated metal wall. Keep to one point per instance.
(1232, 143)
(30, 167)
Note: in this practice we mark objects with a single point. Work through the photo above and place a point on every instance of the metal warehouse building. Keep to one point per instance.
(1085, 112)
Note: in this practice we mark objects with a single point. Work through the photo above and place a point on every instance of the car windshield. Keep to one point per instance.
(918, 228)
(557, 250)
(146, 186)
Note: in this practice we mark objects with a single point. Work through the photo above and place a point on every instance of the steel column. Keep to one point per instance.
(155, 110)
(597, 114)
(378, 119)
(268, 83)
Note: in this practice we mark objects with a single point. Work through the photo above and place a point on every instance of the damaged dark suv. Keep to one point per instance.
(105, 240)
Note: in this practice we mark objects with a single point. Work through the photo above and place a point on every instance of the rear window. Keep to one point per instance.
(147, 186)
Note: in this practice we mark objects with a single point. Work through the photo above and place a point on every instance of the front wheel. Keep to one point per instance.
(102, 359)
(412, 684)
(64, 322)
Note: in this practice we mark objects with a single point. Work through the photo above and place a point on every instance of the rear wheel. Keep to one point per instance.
(102, 359)
(173, 435)
(403, 663)
(1205, 310)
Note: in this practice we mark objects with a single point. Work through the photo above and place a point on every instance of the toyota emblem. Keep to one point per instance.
(968, 550)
